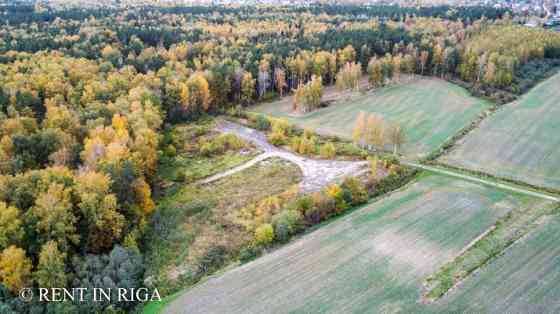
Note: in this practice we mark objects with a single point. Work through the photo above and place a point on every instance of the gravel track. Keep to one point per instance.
(316, 173)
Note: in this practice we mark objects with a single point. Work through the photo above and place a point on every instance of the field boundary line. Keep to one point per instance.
(482, 181)
(450, 144)
(500, 238)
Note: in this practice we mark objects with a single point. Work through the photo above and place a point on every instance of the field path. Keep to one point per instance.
(482, 181)
(316, 173)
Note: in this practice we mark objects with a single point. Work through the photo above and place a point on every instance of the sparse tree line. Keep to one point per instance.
(373, 132)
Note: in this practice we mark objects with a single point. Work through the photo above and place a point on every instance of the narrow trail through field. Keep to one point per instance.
(316, 173)
(482, 181)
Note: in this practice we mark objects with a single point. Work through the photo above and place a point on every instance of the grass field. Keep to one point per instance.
(372, 260)
(520, 141)
(524, 280)
(431, 111)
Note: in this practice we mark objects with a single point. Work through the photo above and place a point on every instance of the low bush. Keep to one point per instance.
(264, 235)
(249, 253)
(214, 258)
(281, 126)
(339, 196)
(207, 149)
(287, 223)
(170, 151)
(303, 203)
(229, 142)
(356, 189)
(323, 207)
(220, 144)
(349, 149)
(328, 151)
(308, 146)
(262, 123)
(237, 112)
(295, 143)
(277, 139)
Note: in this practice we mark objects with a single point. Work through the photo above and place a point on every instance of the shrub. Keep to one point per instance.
(313, 216)
(337, 193)
(389, 161)
(170, 151)
(181, 177)
(229, 142)
(373, 162)
(328, 151)
(236, 111)
(287, 223)
(277, 138)
(308, 133)
(356, 189)
(220, 144)
(323, 207)
(349, 149)
(281, 126)
(307, 146)
(264, 235)
(207, 149)
(303, 204)
(262, 123)
(249, 253)
(296, 142)
(214, 258)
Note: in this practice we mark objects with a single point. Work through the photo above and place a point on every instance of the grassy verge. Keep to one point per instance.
(503, 234)
(157, 307)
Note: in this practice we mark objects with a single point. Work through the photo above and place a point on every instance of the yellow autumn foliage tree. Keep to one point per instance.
(15, 269)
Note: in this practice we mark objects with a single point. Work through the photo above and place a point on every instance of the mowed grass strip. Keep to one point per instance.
(431, 111)
(521, 141)
(372, 260)
(523, 280)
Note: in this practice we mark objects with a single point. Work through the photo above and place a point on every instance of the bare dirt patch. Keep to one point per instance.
(316, 173)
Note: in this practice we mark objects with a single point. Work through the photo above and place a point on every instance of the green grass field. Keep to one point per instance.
(431, 111)
(521, 141)
(523, 280)
(372, 260)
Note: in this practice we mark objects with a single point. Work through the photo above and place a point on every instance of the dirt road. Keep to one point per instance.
(316, 173)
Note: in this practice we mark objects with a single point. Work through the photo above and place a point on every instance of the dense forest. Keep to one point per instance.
(85, 96)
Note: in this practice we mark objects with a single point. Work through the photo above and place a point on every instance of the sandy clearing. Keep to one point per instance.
(316, 173)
